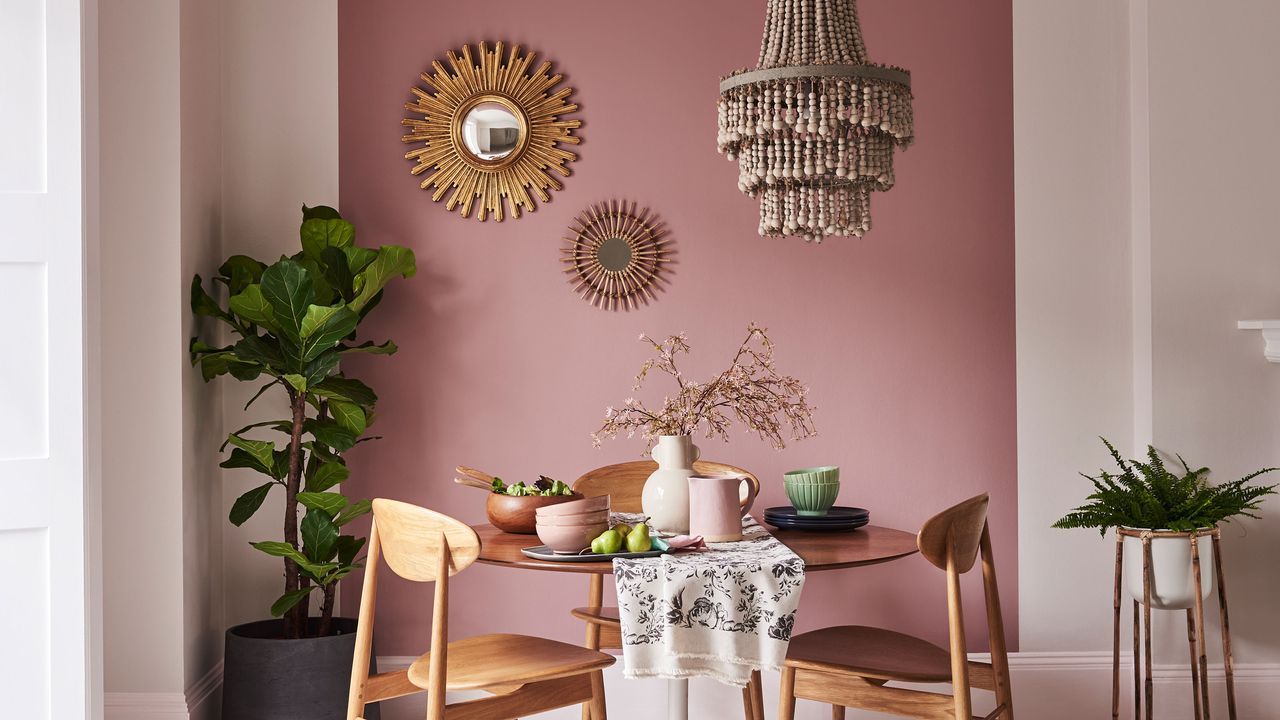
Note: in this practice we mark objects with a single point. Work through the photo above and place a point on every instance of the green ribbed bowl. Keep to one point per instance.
(812, 499)
(813, 475)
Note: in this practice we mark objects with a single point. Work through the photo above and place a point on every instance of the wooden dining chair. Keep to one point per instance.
(850, 666)
(525, 675)
(624, 482)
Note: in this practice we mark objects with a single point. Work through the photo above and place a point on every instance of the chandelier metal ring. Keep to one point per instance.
(804, 72)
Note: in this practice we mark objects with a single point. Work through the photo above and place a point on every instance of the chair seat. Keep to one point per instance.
(870, 652)
(598, 616)
(496, 660)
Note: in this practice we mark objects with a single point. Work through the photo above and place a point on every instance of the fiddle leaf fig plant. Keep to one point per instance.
(291, 323)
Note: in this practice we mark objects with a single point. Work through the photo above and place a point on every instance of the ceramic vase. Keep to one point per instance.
(665, 498)
(1172, 577)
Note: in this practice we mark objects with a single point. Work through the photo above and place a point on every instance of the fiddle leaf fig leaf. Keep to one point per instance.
(348, 415)
(296, 381)
(348, 389)
(390, 261)
(338, 273)
(324, 327)
(328, 502)
(320, 233)
(252, 306)
(358, 258)
(287, 287)
(326, 475)
(321, 367)
(348, 547)
(240, 271)
(247, 504)
(261, 450)
(319, 536)
(319, 212)
(330, 433)
(204, 304)
(285, 602)
(353, 511)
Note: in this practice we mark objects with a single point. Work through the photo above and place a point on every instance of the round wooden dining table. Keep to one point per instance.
(821, 551)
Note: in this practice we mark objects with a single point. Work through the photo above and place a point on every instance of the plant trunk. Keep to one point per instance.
(295, 621)
(326, 610)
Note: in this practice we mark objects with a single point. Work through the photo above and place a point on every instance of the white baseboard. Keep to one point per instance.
(199, 702)
(1046, 686)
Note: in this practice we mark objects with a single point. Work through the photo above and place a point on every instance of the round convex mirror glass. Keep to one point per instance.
(614, 254)
(490, 131)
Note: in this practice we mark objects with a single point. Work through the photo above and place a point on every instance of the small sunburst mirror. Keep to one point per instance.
(491, 133)
(615, 255)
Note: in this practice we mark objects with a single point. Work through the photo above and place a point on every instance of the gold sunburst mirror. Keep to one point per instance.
(615, 255)
(490, 132)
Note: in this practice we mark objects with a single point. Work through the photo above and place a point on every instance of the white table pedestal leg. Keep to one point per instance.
(677, 700)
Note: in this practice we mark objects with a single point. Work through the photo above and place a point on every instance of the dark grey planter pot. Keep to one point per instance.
(269, 678)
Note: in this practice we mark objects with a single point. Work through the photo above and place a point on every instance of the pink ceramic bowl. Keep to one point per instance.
(570, 539)
(587, 518)
(576, 507)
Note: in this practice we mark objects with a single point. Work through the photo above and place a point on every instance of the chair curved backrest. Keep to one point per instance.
(959, 528)
(410, 540)
(625, 481)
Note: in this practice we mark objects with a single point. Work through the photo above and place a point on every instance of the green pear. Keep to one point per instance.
(622, 529)
(638, 539)
(607, 543)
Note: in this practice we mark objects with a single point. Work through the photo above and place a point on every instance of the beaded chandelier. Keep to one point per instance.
(814, 126)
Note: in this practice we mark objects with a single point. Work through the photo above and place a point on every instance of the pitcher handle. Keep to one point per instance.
(753, 489)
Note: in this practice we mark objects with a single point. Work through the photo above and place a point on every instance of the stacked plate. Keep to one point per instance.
(837, 519)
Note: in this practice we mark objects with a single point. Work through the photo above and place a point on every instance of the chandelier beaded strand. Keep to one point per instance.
(814, 127)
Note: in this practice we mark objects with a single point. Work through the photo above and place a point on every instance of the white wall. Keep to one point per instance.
(219, 120)
(141, 322)
(280, 150)
(1144, 163)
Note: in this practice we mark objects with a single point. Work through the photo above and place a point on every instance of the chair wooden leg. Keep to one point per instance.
(837, 712)
(1228, 665)
(748, 706)
(756, 688)
(598, 711)
(787, 695)
(1195, 670)
(595, 598)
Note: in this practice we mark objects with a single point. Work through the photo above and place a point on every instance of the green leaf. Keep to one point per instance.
(261, 390)
(348, 415)
(321, 212)
(320, 233)
(329, 502)
(250, 305)
(283, 426)
(328, 432)
(391, 260)
(338, 273)
(323, 327)
(247, 504)
(386, 348)
(359, 258)
(262, 450)
(296, 381)
(260, 350)
(326, 475)
(203, 304)
(276, 548)
(198, 347)
(222, 363)
(325, 293)
(287, 286)
(322, 367)
(353, 511)
(240, 271)
(285, 602)
(319, 536)
(348, 547)
(348, 389)
(241, 459)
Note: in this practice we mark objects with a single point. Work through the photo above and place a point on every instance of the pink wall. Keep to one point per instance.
(906, 337)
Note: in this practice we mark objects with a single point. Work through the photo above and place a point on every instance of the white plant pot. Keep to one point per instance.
(1173, 580)
(665, 498)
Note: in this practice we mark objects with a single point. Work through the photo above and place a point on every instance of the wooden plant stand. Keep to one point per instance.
(1142, 685)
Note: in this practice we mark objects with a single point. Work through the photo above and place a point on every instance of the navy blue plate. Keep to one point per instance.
(837, 514)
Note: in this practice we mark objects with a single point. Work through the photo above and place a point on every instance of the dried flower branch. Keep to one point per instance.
(750, 391)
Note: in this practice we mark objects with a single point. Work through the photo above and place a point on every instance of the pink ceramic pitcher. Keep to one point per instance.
(715, 507)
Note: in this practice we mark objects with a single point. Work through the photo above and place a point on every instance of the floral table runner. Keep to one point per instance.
(719, 613)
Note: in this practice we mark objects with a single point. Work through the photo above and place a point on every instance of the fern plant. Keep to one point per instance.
(1148, 495)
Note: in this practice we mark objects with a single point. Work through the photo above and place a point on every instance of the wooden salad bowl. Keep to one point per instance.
(518, 513)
